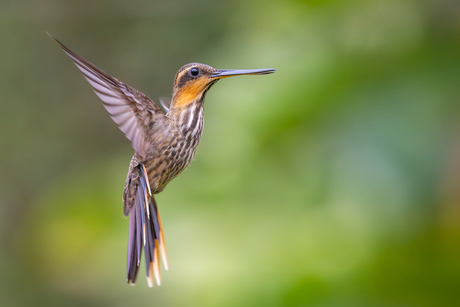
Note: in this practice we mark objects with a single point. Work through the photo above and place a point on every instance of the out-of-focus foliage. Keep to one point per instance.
(333, 182)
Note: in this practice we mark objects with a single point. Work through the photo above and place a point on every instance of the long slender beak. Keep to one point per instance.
(225, 73)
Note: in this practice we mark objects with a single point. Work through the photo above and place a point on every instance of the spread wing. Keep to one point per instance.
(130, 109)
(165, 103)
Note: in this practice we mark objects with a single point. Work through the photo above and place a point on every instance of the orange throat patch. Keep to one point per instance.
(189, 93)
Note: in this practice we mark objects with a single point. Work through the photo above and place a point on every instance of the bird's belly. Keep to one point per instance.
(167, 162)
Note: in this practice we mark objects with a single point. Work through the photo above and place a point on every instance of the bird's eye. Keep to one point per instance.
(194, 71)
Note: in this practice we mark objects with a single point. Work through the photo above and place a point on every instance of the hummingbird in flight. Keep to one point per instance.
(164, 143)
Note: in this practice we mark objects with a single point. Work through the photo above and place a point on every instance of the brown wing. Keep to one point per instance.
(130, 109)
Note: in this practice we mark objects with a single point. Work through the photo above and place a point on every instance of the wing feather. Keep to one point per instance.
(165, 103)
(131, 110)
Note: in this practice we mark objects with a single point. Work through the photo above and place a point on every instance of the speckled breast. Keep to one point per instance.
(171, 153)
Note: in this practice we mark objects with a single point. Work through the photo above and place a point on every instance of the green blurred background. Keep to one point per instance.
(333, 182)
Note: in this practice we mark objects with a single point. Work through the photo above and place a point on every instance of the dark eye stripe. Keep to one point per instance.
(184, 79)
(188, 75)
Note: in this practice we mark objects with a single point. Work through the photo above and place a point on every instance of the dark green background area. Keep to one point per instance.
(333, 182)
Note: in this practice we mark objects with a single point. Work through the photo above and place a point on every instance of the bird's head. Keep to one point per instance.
(194, 80)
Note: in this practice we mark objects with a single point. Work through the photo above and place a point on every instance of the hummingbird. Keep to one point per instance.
(164, 142)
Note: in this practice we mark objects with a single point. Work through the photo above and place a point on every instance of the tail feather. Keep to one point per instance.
(145, 231)
(132, 269)
(159, 229)
(139, 232)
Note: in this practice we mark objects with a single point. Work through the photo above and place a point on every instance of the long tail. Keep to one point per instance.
(145, 231)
